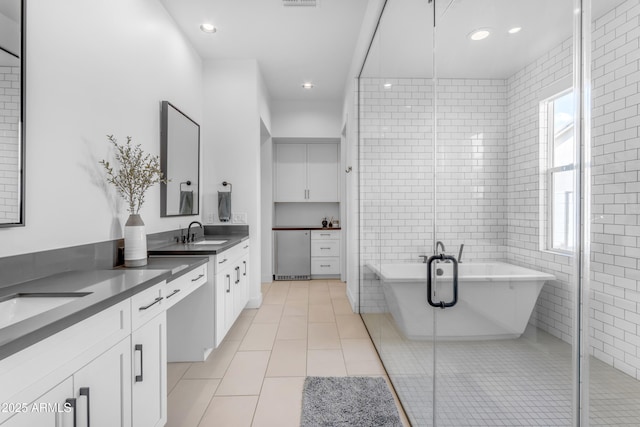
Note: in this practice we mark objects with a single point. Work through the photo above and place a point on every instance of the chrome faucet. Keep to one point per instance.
(192, 237)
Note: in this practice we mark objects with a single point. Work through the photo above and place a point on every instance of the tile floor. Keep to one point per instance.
(255, 377)
(520, 382)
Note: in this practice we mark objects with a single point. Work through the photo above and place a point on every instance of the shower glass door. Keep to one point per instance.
(504, 179)
(504, 211)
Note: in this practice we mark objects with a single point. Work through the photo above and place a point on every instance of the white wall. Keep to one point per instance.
(312, 119)
(234, 104)
(266, 203)
(98, 68)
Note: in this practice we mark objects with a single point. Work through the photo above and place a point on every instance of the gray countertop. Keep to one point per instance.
(201, 249)
(104, 287)
(303, 227)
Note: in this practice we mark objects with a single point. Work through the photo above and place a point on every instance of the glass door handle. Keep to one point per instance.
(442, 304)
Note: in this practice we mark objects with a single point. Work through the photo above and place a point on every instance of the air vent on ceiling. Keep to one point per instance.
(308, 3)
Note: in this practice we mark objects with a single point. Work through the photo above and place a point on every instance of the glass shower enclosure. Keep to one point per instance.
(498, 174)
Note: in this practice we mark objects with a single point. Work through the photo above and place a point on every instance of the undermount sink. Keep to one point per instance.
(17, 307)
(210, 242)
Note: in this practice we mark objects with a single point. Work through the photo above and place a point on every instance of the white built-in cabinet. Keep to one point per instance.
(149, 356)
(102, 389)
(306, 172)
(231, 287)
(57, 397)
(95, 395)
(325, 253)
(110, 370)
(86, 366)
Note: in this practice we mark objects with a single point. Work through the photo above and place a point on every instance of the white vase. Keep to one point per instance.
(135, 242)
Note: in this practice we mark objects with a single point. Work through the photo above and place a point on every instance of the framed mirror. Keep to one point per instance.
(180, 162)
(12, 110)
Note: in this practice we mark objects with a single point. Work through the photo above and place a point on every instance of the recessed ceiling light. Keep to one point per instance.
(515, 30)
(208, 28)
(387, 85)
(479, 34)
(307, 85)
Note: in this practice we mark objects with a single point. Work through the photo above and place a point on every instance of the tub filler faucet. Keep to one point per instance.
(439, 244)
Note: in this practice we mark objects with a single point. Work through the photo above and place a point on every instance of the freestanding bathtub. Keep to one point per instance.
(495, 300)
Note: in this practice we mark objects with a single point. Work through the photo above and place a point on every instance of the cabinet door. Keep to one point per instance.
(46, 411)
(322, 172)
(244, 265)
(291, 173)
(224, 300)
(149, 376)
(103, 389)
(240, 295)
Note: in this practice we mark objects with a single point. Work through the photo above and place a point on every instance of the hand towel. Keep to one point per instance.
(224, 205)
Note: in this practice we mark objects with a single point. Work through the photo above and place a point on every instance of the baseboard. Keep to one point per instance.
(255, 302)
(353, 301)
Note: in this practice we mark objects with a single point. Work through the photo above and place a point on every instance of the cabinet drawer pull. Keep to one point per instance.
(71, 403)
(138, 347)
(245, 268)
(325, 248)
(246, 247)
(325, 265)
(175, 291)
(228, 283)
(157, 300)
(325, 234)
(199, 277)
(237, 275)
(224, 260)
(84, 391)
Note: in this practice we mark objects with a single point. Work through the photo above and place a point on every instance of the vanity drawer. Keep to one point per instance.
(147, 304)
(325, 248)
(325, 265)
(227, 257)
(182, 286)
(325, 234)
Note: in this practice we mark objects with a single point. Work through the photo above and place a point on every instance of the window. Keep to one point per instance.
(560, 172)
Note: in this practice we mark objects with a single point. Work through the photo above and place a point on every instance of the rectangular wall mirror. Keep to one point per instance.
(12, 113)
(180, 162)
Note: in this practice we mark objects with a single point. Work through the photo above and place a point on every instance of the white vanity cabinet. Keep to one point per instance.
(149, 374)
(100, 396)
(102, 389)
(231, 287)
(306, 172)
(149, 356)
(93, 356)
(56, 398)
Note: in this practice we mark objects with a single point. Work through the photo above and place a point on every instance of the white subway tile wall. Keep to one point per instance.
(526, 207)
(9, 144)
(398, 185)
(488, 183)
(615, 308)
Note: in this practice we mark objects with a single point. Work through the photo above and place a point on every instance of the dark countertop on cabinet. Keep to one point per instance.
(301, 227)
(195, 249)
(104, 289)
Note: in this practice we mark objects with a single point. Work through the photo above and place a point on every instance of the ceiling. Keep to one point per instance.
(291, 44)
(404, 43)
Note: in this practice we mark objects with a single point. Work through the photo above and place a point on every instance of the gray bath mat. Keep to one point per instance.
(348, 401)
